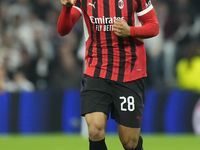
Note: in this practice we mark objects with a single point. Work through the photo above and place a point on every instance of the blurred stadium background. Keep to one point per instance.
(40, 99)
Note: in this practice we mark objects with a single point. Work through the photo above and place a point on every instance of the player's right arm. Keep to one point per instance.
(68, 17)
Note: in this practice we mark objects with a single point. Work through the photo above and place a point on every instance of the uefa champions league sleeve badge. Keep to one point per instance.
(121, 4)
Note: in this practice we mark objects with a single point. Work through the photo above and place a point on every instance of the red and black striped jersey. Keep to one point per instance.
(107, 55)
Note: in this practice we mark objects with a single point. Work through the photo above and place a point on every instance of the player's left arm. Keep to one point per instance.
(150, 26)
(149, 29)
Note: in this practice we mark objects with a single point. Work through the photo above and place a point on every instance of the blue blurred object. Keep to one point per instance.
(33, 112)
(111, 126)
(71, 111)
(150, 111)
(177, 118)
(37, 112)
(5, 104)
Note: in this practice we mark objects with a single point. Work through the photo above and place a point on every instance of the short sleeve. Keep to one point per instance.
(143, 7)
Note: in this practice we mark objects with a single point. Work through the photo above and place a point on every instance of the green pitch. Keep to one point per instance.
(76, 142)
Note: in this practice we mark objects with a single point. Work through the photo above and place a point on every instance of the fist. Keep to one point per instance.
(67, 3)
(121, 28)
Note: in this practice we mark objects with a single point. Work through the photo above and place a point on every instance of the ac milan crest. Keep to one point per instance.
(121, 4)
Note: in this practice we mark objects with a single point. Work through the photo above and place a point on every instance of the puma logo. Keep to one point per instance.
(93, 5)
(138, 118)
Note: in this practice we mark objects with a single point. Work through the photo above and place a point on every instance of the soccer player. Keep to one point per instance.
(115, 64)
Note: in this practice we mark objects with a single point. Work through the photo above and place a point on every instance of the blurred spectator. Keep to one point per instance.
(22, 83)
(9, 54)
(18, 83)
(2, 84)
(1, 32)
(19, 8)
(41, 7)
(68, 74)
(51, 27)
(177, 33)
(38, 70)
(3, 15)
(188, 68)
(154, 47)
(22, 33)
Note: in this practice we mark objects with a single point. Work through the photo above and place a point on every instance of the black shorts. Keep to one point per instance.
(125, 100)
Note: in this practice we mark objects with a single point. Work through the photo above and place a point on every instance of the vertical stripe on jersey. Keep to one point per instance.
(102, 7)
(122, 56)
(128, 52)
(130, 23)
(115, 67)
(78, 3)
(98, 39)
(92, 48)
(139, 4)
(109, 42)
(91, 34)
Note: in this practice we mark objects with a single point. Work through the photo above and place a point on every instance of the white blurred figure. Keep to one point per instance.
(9, 54)
(41, 35)
(154, 46)
(2, 84)
(22, 83)
(18, 24)
(19, 8)
(19, 84)
(22, 33)
(196, 118)
(177, 28)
